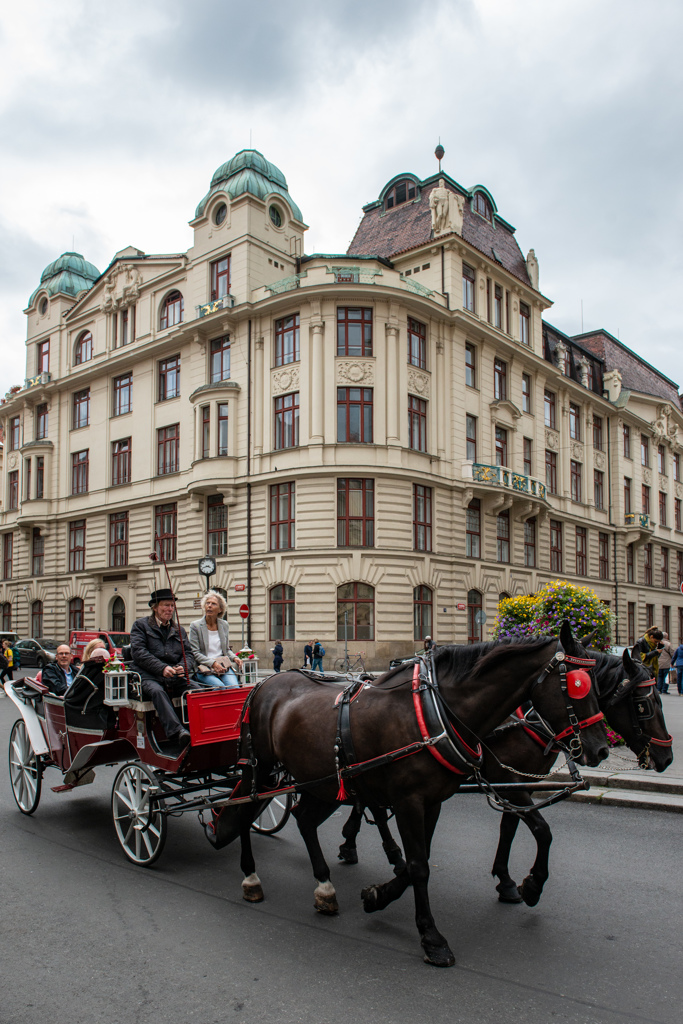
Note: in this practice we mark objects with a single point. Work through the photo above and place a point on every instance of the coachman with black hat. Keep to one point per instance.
(157, 649)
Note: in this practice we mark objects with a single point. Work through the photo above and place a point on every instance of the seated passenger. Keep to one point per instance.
(157, 650)
(58, 675)
(216, 664)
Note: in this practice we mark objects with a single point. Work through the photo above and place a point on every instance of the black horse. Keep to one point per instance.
(293, 722)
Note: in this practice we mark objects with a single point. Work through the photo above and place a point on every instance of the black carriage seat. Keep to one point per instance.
(84, 704)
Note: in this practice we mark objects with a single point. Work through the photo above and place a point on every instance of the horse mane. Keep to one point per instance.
(473, 660)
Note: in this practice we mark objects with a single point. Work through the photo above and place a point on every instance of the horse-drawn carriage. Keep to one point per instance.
(76, 735)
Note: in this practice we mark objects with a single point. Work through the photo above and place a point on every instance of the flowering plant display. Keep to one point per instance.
(544, 612)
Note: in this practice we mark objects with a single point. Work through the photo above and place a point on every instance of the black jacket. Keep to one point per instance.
(54, 677)
(153, 648)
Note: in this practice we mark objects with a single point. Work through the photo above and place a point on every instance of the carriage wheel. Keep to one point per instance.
(25, 770)
(274, 815)
(140, 828)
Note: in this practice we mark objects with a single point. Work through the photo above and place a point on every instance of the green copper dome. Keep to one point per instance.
(249, 171)
(68, 275)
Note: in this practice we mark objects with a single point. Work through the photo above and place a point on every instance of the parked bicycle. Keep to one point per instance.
(347, 666)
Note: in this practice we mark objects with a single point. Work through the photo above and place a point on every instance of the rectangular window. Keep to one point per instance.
(627, 495)
(470, 366)
(282, 516)
(168, 449)
(81, 408)
(471, 437)
(524, 323)
(124, 327)
(501, 447)
(123, 394)
(645, 499)
(574, 422)
(14, 433)
(603, 556)
(77, 545)
(549, 409)
(626, 433)
(666, 618)
(468, 281)
(677, 466)
(206, 431)
(287, 421)
(43, 365)
(121, 461)
(581, 551)
(650, 615)
(355, 513)
(530, 543)
(664, 566)
(287, 340)
(473, 527)
(498, 306)
(354, 415)
(118, 538)
(417, 424)
(662, 508)
(220, 359)
(503, 536)
(41, 422)
(661, 459)
(677, 513)
(223, 428)
(507, 311)
(13, 489)
(488, 299)
(575, 478)
(282, 612)
(354, 331)
(166, 530)
(169, 378)
(7, 554)
(216, 525)
(599, 488)
(630, 564)
(500, 373)
(555, 545)
(551, 471)
(526, 392)
(422, 518)
(648, 564)
(40, 476)
(220, 278)
(644, 450)
(631, 620)
(27, 479)
(80, 465)
(527, 451)
(597, 433)
(417, 343)
(38, 553)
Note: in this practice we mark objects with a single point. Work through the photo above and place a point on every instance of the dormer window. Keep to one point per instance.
(402, 192)
(481, 205)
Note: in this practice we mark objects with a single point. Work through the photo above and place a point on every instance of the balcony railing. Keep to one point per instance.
(501, 476)
(225, 302)
(637, 519)
(40, 378)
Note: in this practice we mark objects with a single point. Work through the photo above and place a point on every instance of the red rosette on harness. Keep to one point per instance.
(578, 683)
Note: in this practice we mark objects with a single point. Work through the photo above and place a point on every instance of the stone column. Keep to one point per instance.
(393, 404)
(259, 385)
(439, 396)
(317, 382)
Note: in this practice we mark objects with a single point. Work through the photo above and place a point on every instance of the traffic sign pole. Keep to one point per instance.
(244, 612)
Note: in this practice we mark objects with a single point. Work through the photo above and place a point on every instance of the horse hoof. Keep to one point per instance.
(530, 891)
(326, 899)
(439, 957)
(509, 893)
(252, 893)
(370, 898)
(348, 854)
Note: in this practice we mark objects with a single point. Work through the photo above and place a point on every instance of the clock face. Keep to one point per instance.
(207, 566)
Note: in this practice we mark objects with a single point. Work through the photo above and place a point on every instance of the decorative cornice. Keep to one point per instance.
(219, 385)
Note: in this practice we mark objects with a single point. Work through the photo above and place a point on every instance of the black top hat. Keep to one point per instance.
(161, 595)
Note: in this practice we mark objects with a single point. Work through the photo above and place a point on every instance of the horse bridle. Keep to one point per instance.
(642, 709)
(561, 660)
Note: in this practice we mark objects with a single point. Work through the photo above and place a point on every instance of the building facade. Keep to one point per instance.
(375, 446)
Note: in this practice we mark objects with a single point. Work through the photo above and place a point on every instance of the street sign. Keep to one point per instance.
(480, 618)
(244, 611)
(239, 587)
(461, 607)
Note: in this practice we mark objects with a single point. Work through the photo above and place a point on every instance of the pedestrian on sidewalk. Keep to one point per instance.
(308, 654)
(277, 651)
(8, 655)
(677, 663)
(647, 645)
(318, 655)
(665, 649)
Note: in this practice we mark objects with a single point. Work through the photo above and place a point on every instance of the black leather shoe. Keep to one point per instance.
(182, 738)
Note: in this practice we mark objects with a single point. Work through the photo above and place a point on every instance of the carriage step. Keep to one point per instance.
(66, 787)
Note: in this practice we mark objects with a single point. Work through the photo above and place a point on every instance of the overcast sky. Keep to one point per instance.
(113, 117)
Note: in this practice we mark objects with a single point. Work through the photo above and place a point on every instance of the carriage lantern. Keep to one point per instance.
(249, 667)
(115, 684)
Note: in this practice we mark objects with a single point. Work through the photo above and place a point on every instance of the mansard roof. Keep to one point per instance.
(636, 373)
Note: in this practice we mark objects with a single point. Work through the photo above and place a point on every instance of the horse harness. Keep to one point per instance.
(642, 707)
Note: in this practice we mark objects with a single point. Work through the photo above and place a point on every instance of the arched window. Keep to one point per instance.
(503, 596)
(83, 351)
(481, 205)
(37, 618)
(172, 310)
(473, 619)
(282, 612)
(76, 613)
(7, 617)
(401, 192)
(355, 612)
(118, 615)
(422, 612)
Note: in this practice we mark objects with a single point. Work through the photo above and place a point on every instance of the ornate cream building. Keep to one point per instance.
(381, 442)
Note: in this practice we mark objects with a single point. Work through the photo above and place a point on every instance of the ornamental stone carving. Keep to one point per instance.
(577, 450)
(532, 268)
(552, 440)
(664, 427)
(599, 460)
(418, 383)
(663, 483)
(647, 475)
(121, 287)
(285, 380)
(12, 460)
(447, 210)
(355, 373)
(679, 490)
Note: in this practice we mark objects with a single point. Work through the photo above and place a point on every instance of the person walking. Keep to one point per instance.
(647, 645)
(278, 651)
(308, 654)
(8, 655)
(318, 655)
(3, 671)
(677, 663)
(665, 650)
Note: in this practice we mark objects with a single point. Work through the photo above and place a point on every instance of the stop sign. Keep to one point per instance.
(244, 611)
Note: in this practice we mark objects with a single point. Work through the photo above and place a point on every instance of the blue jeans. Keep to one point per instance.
(679, 673)
(223, 682)
(317, 665)
(663, 680)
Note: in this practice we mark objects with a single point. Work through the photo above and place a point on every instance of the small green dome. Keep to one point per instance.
(71, 274)
(249, 171)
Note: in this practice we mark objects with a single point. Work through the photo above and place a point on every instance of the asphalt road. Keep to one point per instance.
(88, 938)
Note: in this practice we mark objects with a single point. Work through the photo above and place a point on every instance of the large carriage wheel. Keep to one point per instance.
(140, 827)
(274, 815)
(25, 770)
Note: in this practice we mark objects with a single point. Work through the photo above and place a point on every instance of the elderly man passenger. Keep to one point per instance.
(58, 675)
(216, 664)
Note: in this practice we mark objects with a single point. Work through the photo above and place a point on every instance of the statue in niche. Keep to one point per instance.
(447, 210)
(532, 268)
